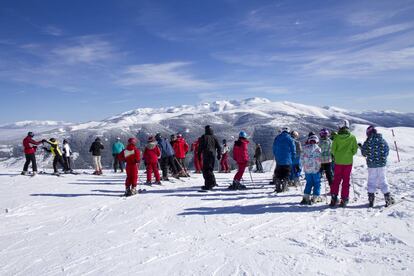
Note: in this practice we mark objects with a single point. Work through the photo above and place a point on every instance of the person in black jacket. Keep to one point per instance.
(95, 149)
(208, 148)
(258, 158)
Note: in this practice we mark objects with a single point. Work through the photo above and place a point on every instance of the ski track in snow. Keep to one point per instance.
(80, 225)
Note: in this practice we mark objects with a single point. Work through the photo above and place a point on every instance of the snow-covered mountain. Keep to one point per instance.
(18, 129)
(259, 117)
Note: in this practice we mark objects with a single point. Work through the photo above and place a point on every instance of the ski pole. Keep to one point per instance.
(395, 143)
(251, 177)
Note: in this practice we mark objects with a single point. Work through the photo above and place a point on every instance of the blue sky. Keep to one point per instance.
(87, 60)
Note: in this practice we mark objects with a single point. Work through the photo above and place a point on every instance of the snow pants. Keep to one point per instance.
(208, 170)
(327, 168)
(131, 175)
(118, 163)
(66, 160)
(377, 178)
(224, 162)
(197, 163)
(342, 174)
(240, 171)
(30, 158)
(97, 163)
(58, 159)
(165, 162)
(153, 167)
(295, 171)
(313, 180)
(281, 177)
(259, 167)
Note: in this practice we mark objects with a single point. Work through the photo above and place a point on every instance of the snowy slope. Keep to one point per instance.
(79, 224)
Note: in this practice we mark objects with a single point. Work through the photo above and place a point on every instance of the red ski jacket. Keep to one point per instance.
(240, 152)
(180, 148)
(131, 155)
(30, 145)
(152, 153)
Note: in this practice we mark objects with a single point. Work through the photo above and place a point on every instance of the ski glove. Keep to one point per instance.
(218, 157)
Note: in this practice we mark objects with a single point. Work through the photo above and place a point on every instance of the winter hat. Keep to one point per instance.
(151, 139)
(224, 141)
(343, 124)
(323, 133)
(158, 136)
(179, 135)
(243, 134)
(294, 134)
(285, 129)
(30, 133)
(97, 139)
(371, 130)
(208, 130)
(311, 134)
(313, 138)
(132, 141)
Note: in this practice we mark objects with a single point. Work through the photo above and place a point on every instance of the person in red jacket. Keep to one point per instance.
(30, 147)
(241, 156)
(132, 156)
(151, 155)
(180, 147)
(198, 163)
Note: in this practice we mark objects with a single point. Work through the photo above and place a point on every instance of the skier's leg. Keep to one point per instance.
(55, 161)
(149, 172)
(308, 186)
(156, 172)
(337, 180)
(383, 182)
(371, 181)
(347, 169)
(115, 165)
(34, 165)
(27, 163)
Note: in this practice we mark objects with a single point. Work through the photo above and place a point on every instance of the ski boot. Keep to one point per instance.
(234, 185)
(316, 199)
(334, 200)
(306, 200)
(165, 178)
(389, 200)
(148, 183)
(371, 198)
(158, 182)
(343, 203)
(127, 191)
(133, 191)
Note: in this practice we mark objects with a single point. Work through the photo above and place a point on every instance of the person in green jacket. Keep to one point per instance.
(117, 148)
(344, 147)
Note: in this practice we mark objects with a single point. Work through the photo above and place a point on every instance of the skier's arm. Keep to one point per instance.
(386, 148)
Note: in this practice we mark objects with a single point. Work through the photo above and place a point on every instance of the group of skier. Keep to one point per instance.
(330, 154)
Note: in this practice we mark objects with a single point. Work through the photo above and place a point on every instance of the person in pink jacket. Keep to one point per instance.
(151, 155)
(241, 156)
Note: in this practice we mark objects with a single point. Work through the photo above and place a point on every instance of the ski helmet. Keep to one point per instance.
(224, 141)
(311, 133)
(30, 133)
(343, 124)
(97, 139)
(313, 138)
(151, 139)
(371, 130)
(294, 134)
(243, 134)
(323, 133)
(132, 141)
(52, 140)
(158, 136)
(285, 129)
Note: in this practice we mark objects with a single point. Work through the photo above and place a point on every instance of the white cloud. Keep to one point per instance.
(165, 75)
(52, 30)
(379, 32)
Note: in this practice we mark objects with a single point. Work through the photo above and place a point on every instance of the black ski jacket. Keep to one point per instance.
(209, 144)
(96, 148)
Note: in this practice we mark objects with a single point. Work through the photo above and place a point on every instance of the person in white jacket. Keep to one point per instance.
(67, 153)
(311, 165)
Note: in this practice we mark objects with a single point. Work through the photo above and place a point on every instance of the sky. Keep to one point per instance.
(87, 60)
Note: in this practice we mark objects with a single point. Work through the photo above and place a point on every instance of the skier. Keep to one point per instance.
(344, 147)
(258, 158)
(57, 155)
(296, 165)
(284, 150)
(167, 157)
(326, 155)
(95, 149)
(224, 161)
(30, 147)
(376, 150)
(180, 147)
(151, 155)
(311, 166)
(209, 145)
(241, 156)
(117, 148)
(197, 162)
(132, 156)
(67, 153)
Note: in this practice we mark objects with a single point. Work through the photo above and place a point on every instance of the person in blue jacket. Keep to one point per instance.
(167, 157)
(284, 150)
(117, 148)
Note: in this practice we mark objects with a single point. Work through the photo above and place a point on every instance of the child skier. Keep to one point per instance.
(117, 148)
(376, 150)
(57, 155)
(151, 155)
(344, 147)
(131, 155)
(296, 164)
(311, 166)
(197, 162)
(224, 161)
(67, 152)
(284, 150)
(326, 156)
(241, 156)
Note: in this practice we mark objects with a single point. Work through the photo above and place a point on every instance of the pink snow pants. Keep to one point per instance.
(342, 174)
(240, 171)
